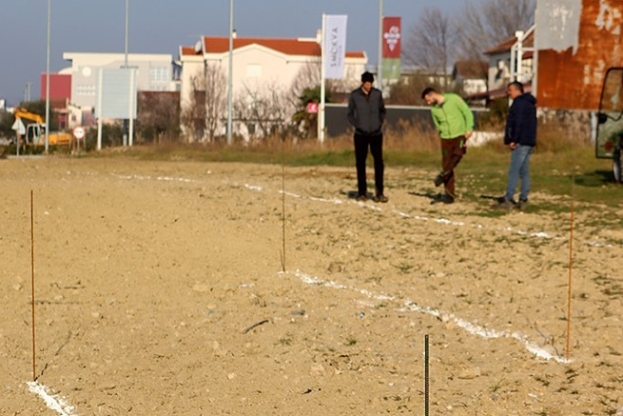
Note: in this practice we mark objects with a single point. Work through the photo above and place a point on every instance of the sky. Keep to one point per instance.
(157, 26)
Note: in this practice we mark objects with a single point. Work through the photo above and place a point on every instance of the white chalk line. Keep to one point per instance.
(541, 234)
(336, 201)
(52, 401)
(156, 178)
(411, 306)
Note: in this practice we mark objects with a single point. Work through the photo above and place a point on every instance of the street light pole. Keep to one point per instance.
(127, 29)
(47, 83)
(230, 83)
(125, 64)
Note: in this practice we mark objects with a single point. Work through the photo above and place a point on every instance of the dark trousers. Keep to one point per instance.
(375, 143)
(452, 151)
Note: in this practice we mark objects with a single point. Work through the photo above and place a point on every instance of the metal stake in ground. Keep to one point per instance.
(426, 379)
(32, 272)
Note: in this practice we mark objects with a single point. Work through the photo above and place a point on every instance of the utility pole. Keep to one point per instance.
(27, 92)
(126, 66)
(230, 82)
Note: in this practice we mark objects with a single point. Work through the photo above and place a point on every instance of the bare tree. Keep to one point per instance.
(265, 109)
(430, 43)
(485, 23)
(215, 99)
(158, 115)
(307, 77)
(194, 112)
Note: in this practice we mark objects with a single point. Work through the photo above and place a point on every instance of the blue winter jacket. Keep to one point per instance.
(521, 121)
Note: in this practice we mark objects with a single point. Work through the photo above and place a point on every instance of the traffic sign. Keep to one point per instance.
(79, 132)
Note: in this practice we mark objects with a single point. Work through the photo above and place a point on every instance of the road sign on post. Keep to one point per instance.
(79, 133)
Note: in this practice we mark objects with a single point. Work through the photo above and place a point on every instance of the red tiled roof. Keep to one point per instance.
(285, 46)
(497, 93)
(470, 69)
(188, 50)
(506, 45)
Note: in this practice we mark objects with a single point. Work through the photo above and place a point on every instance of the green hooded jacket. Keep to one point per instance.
(453, 117)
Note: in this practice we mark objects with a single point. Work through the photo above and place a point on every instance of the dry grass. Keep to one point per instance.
(405, 142)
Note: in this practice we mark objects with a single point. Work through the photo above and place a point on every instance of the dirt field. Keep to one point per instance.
(150, 274)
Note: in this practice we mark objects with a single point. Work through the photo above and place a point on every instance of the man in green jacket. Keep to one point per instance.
(455, 123)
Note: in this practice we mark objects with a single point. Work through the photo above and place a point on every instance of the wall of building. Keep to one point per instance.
(154, 73)
(577, 41)
(60, 87)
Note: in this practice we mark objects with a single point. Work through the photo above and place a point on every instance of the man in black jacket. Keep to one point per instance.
(520, 136)
(366, 112)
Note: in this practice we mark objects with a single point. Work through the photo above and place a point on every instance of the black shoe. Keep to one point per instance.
(438, 180)
(380, 198)
(361, 198)
(522, 204)
(504, 205)
(443, 199)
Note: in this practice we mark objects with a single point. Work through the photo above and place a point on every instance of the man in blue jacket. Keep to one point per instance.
(366, 113)
(520, 136)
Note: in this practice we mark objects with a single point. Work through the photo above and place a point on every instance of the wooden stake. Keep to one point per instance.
(570, 269)
(426, 376)
(32, 279)
(283, 205)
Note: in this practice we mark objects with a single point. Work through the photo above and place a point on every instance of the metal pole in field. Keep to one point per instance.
(32, 271)
(379, 72)
(426, 379)
(230, 82)
(47, 82)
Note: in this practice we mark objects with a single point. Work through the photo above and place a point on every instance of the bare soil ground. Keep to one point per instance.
(150, 274)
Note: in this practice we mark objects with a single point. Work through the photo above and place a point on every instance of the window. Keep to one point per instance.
(85, 89)
(159, 74)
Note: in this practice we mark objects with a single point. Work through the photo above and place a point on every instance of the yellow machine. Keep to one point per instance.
(35, 132)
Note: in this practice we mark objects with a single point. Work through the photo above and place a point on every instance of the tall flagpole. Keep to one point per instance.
(321, 121)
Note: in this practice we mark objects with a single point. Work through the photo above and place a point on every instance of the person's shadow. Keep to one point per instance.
(355, 194)
(496, 199)
(430, 195)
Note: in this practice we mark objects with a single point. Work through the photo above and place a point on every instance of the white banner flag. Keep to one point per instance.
(334, 46)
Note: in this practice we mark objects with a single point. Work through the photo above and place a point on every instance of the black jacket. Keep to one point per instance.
(366, 112)
(521, 121)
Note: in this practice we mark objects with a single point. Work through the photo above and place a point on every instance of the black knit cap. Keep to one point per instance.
(367, 77)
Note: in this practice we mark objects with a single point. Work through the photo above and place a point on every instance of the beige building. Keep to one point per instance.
(155, 73)
(268, 75)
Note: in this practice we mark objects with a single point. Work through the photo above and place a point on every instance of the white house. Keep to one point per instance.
(471, 76)
(264, 69)
(155, 73)
(505, 64)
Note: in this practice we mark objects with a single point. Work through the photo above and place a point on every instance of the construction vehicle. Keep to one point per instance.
(609, 138)
(35, 132)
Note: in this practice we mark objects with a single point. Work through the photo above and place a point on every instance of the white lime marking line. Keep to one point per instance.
(52, 401)
(410, 306)
(336, 201)
(157, 178)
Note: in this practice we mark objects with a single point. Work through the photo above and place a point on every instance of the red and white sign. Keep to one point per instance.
(392, 34)
(312, 108)
(79, 132)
